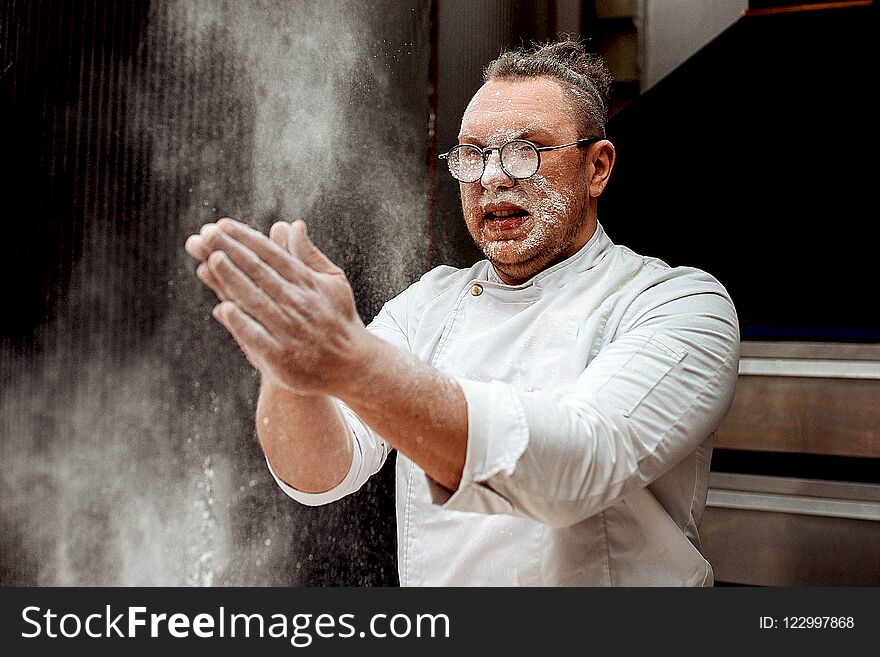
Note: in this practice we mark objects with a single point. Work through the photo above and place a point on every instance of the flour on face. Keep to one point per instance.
(525, 225)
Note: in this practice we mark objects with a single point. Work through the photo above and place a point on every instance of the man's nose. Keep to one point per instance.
(494, 177)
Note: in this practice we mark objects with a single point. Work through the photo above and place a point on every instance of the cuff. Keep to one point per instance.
(498, 435)
(350, 483)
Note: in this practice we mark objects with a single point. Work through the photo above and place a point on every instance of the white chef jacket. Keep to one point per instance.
(593, 390)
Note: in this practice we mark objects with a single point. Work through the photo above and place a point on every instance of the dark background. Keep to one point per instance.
(128, 450)
(756, 161)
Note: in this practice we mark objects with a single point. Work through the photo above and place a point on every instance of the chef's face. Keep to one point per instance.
(524, 226)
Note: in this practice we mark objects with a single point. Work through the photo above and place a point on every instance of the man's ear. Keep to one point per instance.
(602, 160)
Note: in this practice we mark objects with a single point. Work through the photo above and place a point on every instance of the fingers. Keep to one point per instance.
(195, 246)
(267, 262)
(246, 294)
(255, 268)
(226, 233)
(211, 239)
(207, 277)
(278, 233)
(299, 244)
(257, 343)
(273, 254)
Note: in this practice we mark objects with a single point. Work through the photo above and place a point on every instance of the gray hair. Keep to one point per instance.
(583, 76)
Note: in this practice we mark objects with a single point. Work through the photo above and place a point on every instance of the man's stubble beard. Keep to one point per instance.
(543, 246)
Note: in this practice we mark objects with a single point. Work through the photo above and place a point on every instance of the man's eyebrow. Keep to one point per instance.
(528, 132)
(536, 134)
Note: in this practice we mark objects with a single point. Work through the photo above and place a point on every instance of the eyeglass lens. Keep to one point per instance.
(519, 159)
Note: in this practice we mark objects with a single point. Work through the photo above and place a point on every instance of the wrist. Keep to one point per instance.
(358, 372)
(274, 387)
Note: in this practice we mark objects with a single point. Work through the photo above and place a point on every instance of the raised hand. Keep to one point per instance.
(290, 309)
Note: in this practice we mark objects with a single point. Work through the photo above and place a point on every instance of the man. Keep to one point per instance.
(552, 406)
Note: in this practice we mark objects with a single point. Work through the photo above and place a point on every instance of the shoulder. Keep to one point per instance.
(649, 290)
(653, 276)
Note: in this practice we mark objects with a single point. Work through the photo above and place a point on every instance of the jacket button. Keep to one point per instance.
(477, 290)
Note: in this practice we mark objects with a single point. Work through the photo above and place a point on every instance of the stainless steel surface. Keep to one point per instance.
(794, 504)
(806, 415)
(773, 531)
(841, 490)
(811, 359)
(810, 350)
(825, 369)
(806, 397)
(799, 398)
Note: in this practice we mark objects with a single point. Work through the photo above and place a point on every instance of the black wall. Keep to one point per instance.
(756, 160)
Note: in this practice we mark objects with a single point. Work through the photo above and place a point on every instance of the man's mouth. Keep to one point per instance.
(504, 217)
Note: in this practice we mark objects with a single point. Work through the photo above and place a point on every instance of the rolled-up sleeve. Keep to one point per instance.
(368, 456)
(649, 398)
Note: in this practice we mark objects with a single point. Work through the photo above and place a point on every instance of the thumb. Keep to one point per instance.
(299, 245)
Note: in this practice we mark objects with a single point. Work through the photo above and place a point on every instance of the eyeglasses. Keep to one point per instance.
(520, 159)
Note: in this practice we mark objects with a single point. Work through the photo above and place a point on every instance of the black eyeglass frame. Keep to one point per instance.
(487, 152)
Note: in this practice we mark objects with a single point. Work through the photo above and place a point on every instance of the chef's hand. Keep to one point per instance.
(290, 309)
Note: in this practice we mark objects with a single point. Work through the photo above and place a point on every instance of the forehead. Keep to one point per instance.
(512, 108)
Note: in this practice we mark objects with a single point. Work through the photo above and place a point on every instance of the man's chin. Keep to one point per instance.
(505, 252)
(519, 263)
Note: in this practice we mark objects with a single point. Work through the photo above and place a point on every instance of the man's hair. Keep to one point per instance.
(583, 76)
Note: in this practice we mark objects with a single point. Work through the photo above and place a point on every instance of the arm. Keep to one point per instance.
(418, 409)
(647, 400)
(304, 438)
(317, 453)
(293, 314)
